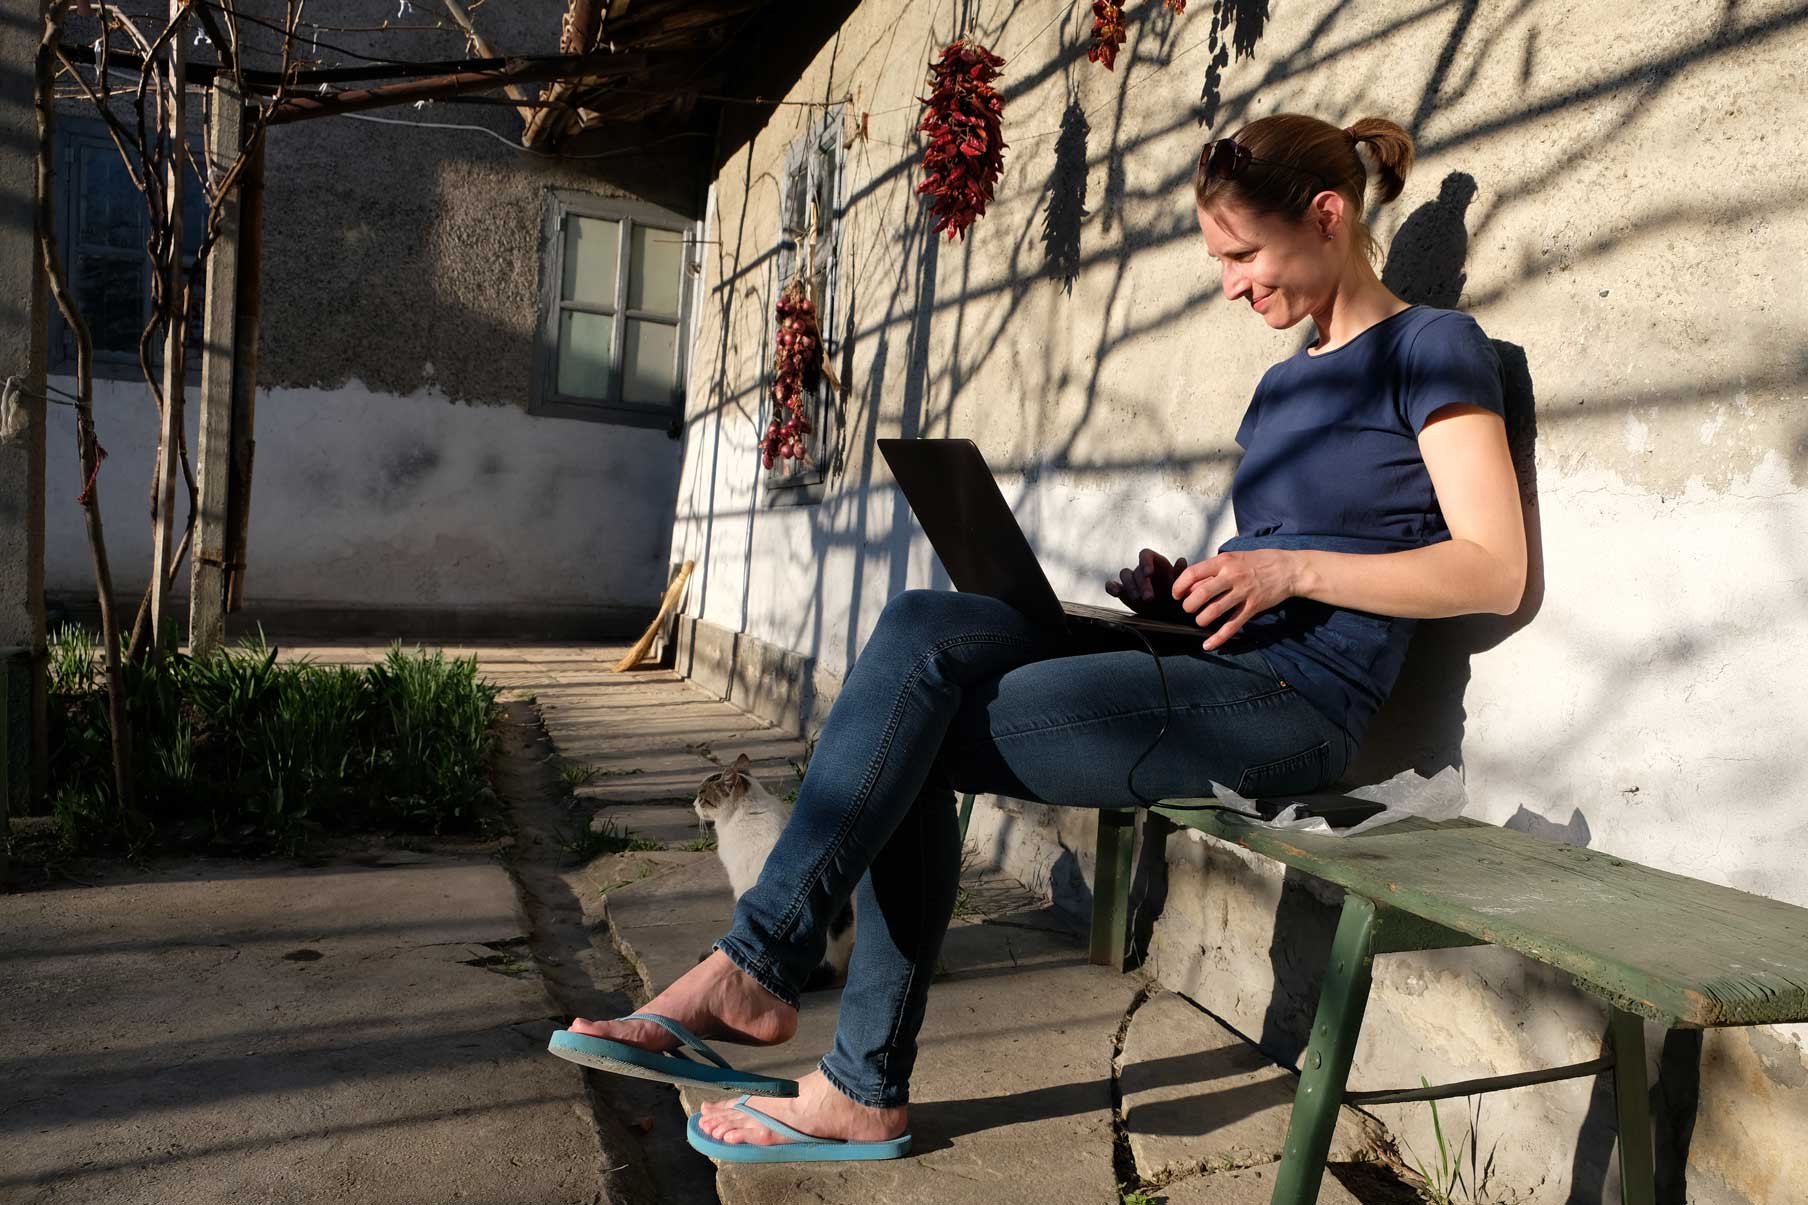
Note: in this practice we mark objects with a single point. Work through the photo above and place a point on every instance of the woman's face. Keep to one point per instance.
(1283, 269)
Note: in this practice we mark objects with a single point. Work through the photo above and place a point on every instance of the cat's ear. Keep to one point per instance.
(743, 765)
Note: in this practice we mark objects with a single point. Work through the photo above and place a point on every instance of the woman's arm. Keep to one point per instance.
(1481, 568)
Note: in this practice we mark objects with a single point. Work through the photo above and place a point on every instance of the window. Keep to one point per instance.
(101, 226)
(809, 245)
(614, 299)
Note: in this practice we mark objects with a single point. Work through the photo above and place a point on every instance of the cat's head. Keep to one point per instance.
(726, 792)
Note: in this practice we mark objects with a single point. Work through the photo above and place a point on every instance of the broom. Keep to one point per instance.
(673, 593)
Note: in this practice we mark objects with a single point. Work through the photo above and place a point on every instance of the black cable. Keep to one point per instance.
(1167, 703)
(315, 42)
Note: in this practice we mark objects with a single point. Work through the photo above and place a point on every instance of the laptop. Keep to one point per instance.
(969, 524)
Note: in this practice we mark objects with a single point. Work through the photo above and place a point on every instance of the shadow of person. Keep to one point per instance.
(1421, 725)
(1426, 257)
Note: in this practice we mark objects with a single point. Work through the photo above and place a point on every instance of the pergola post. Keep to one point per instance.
(219, 336)
(23, 414)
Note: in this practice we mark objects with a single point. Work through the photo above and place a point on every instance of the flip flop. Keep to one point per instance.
(802, 1147)
(672, 1067)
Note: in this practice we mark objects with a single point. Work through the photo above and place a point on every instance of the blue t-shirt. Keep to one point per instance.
(1331, 461)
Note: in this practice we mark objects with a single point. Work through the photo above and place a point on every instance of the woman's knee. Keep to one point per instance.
(943, 611)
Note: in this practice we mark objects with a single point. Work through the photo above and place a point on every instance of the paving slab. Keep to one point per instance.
(669, 824)
(228, 1031)
(1198, 1097)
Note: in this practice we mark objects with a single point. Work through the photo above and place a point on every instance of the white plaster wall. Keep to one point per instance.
(1619, 191)
(372, 501)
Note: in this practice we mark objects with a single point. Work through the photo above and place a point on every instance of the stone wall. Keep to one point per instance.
(1615, 192)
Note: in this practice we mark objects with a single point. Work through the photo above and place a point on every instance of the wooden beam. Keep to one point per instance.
(213, 462)
(170, 428)
(526, 68)
(599, 66)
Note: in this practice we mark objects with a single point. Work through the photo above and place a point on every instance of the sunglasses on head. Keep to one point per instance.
(1226, 159)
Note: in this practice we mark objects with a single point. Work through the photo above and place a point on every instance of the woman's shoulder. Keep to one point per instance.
(1429, 324)
(1448, 357)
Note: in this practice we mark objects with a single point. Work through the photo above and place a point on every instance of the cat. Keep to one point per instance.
(748, 819)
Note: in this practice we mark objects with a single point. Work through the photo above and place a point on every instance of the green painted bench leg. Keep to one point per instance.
(1111, 887)
(966, 813)
(1632, 1101)
(1327, 1065)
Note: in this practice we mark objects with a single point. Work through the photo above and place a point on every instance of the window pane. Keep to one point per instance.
(652, 361)
(110, 290)
(592, 247)
(584, 347)
(656, 270)
(796, 217)
(825, 199)
(194, 212)
(111, 207)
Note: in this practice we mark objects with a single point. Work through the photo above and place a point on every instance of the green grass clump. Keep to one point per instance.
(594, 841)
(242, 750)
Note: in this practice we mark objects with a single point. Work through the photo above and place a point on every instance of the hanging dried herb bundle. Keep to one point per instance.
(966, 150)
(1107, 32)
(796, 369)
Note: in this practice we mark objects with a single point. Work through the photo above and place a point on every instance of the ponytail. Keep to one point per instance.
(1296, 157)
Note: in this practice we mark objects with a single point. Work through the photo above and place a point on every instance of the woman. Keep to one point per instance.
(1376, 488)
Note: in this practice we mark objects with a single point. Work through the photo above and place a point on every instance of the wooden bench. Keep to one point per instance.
(1650, 944)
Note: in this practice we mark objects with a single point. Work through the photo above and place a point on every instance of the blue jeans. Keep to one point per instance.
(958, 692)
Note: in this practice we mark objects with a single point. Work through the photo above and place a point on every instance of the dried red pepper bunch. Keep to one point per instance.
(1107, 32)
(796, 368)
(966, 150)
(1178, 6)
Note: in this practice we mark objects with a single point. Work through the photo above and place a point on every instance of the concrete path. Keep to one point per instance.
(239, 1031)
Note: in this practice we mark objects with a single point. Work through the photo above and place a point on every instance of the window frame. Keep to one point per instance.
(544, 398)
(820, 147)
(74, 134)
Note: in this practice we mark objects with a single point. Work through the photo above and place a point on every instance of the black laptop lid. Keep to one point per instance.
(969, 524)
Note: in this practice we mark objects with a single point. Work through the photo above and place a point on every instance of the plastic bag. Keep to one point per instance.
(1440, 797)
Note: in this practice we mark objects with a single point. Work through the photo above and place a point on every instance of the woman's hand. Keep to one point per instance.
(1235, 587)
(1147, 589)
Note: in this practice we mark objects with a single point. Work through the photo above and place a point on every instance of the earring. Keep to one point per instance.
(1328, 234)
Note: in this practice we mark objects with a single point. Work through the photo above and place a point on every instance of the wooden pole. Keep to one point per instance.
(207, 588)
(244, 376)
(23, 412)
(162, 545)
(516, 92)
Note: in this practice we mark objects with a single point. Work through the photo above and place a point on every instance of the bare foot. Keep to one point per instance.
(819, 1110)
(714, 1000)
